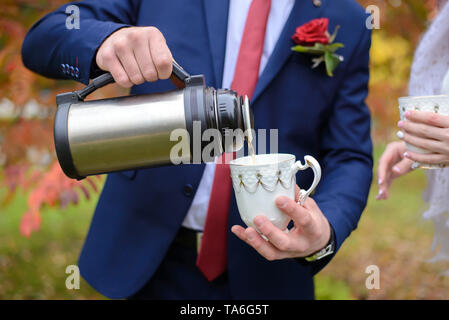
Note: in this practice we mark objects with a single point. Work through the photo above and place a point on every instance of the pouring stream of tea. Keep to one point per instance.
(249, 139)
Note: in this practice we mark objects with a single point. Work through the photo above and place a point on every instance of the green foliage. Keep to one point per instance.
(331, 61)
(318, 48)
(329, 288)
(35, 268)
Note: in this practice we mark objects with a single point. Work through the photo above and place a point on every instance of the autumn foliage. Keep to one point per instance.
(27, 106)
(402, 23)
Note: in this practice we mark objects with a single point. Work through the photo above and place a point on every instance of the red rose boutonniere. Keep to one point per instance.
(314, 38)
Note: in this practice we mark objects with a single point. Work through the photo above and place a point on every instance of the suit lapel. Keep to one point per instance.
(216, 12)
(303, 11)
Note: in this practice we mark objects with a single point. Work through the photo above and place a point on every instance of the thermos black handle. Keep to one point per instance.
(178, 77)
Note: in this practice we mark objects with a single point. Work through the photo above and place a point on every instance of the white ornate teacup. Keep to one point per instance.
(437, 104)
(257, 185)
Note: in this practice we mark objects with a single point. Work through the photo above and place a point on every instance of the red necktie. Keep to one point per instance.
(212, 256)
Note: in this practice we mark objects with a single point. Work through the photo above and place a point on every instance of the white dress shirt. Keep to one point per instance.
(238, 11)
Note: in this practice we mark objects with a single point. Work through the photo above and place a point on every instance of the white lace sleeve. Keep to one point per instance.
(431, 62)
(437, 195)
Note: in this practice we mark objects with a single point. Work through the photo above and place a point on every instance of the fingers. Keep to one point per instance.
(263, 247)
(429, 118)
(399, 169)
(110, 62)
(310, 234)
(425, 143)
(402, 167)
(160, 54)
(277, 237)
(128, 61)
(134, 55)
(426, 130)
(392, 154)
(432, 158)
(300, 215)
(145, 63)
(423, 130)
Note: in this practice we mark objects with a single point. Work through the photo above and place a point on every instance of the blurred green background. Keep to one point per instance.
(44, 217)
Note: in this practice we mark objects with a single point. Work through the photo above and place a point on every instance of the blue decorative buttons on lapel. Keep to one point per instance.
(64, 68)
(69, 70)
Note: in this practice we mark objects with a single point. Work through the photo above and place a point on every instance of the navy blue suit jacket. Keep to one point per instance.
(139, 212)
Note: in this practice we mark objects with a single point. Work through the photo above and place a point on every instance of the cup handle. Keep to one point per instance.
(310, 162)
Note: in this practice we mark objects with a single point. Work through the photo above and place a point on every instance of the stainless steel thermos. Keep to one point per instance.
(132, 132)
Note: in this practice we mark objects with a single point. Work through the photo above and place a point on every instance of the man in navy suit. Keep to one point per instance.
(143, 238)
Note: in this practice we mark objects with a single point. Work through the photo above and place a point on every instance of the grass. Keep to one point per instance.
(34, 268)
(391, 235)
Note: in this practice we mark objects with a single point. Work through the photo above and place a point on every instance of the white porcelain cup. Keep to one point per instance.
(257, 185)
(437, 104)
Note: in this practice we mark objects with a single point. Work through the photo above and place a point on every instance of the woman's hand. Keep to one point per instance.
(134, 55)
(392, 164)
(426, 130)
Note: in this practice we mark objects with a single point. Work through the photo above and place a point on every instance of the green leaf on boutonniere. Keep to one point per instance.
(334, 35)
(325, 52)
(334, 46)
(331, 61)
(318, 48)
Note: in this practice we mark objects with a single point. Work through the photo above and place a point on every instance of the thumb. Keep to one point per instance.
(299, 214)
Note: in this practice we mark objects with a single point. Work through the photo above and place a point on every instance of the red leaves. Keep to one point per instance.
(85, 192)
(27, 158)
(31, 221)
(14, 176)
(54, 188)
(92, 184)
(51, 188)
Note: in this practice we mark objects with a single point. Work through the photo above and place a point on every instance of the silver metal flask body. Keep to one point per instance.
(133, 132)
(130, 132)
